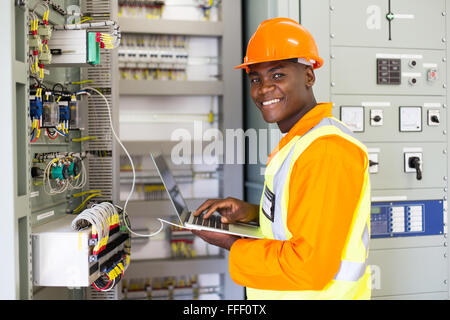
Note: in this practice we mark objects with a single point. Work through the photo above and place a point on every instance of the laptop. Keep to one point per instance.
(188, 220)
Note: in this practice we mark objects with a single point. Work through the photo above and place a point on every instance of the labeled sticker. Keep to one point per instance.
(45, 215)
(34, 194)
(268, 204)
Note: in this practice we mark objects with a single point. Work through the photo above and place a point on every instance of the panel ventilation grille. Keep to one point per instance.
(100, 162)
(114, 294)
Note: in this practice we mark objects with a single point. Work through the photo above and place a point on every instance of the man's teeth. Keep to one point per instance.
(266, 103)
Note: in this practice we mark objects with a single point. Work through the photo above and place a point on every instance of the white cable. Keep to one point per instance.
(132, 167)
(85, 25)
(98, 216)
(46, 180)
(81, 181)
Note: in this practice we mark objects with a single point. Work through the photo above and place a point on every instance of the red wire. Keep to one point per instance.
(48, 133)
(93, 283)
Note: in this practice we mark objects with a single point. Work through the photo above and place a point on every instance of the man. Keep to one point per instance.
(315, 207)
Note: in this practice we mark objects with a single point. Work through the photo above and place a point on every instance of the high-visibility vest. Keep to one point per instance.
(353, 279)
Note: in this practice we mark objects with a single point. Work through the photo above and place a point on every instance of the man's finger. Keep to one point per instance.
(205, 205)
(215, 206)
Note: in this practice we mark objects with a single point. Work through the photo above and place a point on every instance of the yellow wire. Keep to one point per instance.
(84, 139)
(84, 19)
(80, 194)
(77, 209)
(81, 82)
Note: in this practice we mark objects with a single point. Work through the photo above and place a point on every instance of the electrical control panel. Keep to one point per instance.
(407, 219)
(64, 160)
(389, 59)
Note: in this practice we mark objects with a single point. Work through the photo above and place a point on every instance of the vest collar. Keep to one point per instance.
(306, 123)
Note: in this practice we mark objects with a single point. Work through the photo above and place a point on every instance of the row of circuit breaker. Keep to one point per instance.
(410, 118)
(154, 52)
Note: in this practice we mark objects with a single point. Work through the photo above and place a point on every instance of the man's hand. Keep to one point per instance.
(222, 240)
(231, 209)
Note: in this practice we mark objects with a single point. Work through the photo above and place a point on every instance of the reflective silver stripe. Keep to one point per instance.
(351, 271)
(333, 122)
(365, 237)
(279, 181)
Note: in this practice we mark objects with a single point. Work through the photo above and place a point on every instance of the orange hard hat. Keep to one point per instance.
(280, 39)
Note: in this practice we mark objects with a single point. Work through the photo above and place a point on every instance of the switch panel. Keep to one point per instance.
(376, 117)
(434, 117)
(410, 119)
(408, 157)
(353, 117)
(402, 219)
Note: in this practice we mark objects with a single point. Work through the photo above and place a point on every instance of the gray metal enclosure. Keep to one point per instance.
(398, 113)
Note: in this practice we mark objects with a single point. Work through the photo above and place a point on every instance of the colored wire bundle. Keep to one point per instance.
(60, 185)
(99, 216)
(80, 179)
(57, 183)
(113, 274)
(108, 40)
(113, 39)
(36, 122)
(52, 135)
(37, 67)
(103, 217)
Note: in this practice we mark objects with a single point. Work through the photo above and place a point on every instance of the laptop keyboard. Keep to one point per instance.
(212, 222)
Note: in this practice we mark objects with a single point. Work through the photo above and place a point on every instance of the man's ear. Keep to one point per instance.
(310, 77)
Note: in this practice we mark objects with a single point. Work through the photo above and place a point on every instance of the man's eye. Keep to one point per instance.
(254, 80)
(278, 75)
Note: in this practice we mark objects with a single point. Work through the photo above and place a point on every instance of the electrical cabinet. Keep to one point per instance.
(386, 74)
(59, 170)
(389, 58)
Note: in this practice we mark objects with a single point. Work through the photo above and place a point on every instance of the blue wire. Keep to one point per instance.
(32, 135)
(65, 135)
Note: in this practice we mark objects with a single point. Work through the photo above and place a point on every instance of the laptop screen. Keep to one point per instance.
(170, 185)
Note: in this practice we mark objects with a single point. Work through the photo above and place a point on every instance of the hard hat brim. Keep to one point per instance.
(318, 63)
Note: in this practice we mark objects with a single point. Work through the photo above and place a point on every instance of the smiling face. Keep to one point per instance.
(282, 90)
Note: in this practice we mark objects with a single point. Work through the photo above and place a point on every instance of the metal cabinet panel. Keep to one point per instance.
(415, 24)
(389, 106)
(391, 173)
(408, 271)
(354, 71)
